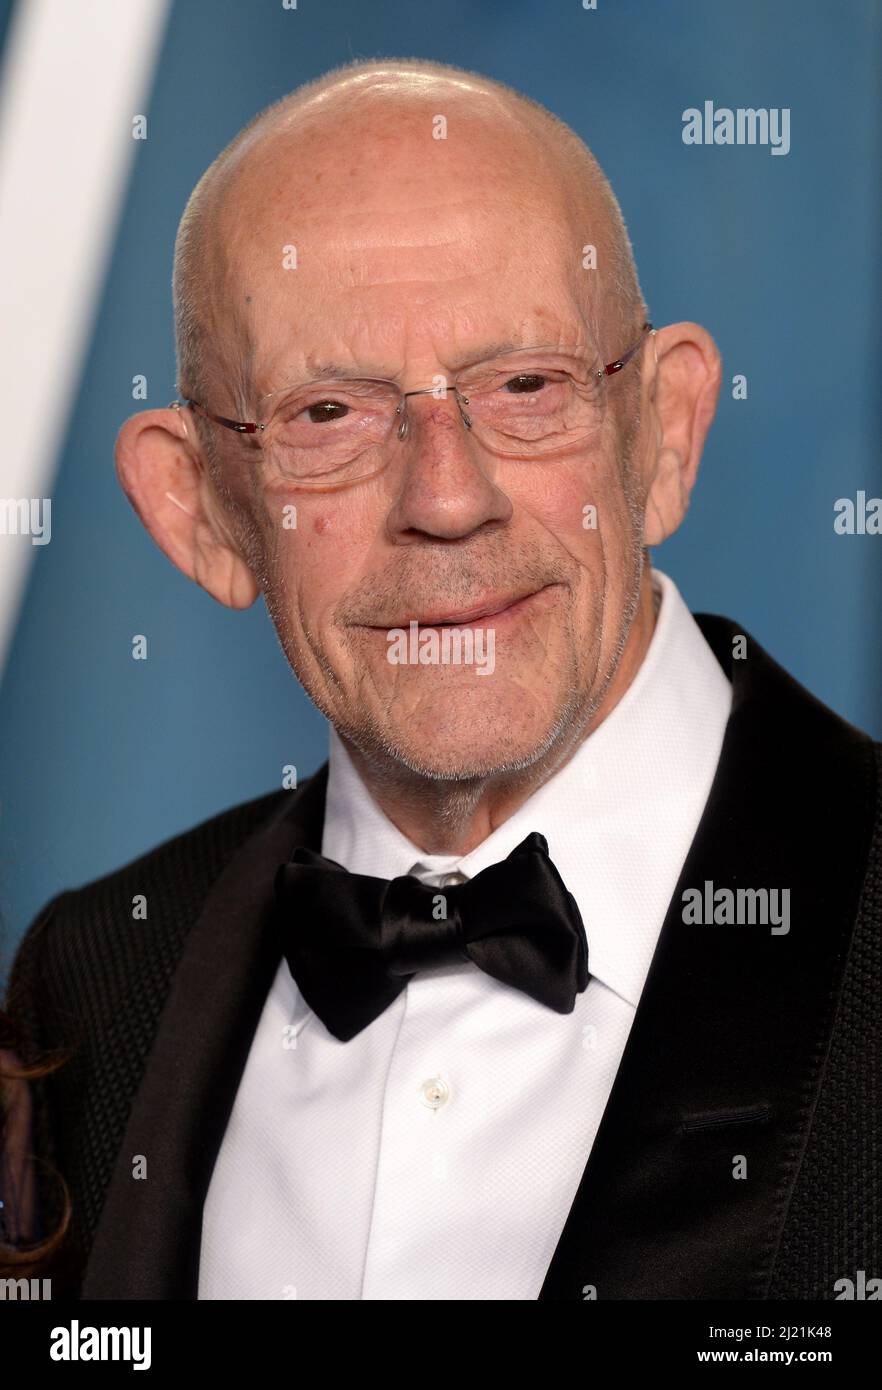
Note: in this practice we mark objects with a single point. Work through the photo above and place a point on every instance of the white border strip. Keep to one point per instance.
(74, 75)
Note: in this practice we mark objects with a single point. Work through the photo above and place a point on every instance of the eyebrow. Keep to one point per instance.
(321, 369)
(334, 371)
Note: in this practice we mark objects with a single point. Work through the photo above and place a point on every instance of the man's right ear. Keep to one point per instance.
(163, 473)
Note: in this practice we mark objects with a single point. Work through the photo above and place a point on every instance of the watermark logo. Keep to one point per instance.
(77, 1343)
(446, 646)
(860, 1288)
(738, 907)
(745, 125)
(25, 1290)
(27, 516)
(861, 517)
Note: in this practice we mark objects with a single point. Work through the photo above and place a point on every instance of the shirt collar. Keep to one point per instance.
(619, 816)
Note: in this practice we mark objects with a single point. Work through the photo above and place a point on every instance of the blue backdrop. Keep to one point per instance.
(103, 756)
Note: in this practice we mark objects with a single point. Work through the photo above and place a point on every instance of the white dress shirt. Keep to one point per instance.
(436, 1155)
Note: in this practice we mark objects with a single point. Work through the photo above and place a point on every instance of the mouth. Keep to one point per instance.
(495, 607)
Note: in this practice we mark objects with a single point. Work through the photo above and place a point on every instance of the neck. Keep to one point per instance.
(444, 817)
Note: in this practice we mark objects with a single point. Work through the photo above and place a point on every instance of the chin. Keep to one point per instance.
(477, 739)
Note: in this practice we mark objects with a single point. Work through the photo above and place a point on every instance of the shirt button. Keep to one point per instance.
(434, 1093)
(448, 880)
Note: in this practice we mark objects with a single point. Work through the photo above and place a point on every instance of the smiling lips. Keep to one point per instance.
(493, 607)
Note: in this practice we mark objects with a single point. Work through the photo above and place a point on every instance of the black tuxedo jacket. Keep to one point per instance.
(745, 1043)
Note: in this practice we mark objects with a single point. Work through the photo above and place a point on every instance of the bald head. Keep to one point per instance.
(362, 142)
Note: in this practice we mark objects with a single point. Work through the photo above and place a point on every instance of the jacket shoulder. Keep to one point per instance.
(757, 677)
(135, 918)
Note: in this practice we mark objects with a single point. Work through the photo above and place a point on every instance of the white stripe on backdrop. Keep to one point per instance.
(74, 76)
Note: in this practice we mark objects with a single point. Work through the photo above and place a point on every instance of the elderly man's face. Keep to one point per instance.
(413, 256)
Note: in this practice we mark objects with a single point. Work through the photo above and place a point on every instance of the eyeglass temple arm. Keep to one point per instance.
(621, 362)
(240, 426)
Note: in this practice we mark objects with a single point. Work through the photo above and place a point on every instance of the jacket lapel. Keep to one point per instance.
(147, 1243)
(722, 1066)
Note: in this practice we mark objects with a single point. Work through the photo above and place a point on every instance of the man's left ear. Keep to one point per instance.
(682, 403)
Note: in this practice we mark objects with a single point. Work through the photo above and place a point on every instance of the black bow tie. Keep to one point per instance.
(352, 942)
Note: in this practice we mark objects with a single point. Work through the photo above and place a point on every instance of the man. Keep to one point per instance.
(560, 980)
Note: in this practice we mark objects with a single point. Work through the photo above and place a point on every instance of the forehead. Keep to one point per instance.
(392, 245)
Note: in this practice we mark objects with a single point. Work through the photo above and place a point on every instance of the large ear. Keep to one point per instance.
(163, 473)
(683, 400)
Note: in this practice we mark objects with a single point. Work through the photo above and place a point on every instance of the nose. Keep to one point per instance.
(445, 490)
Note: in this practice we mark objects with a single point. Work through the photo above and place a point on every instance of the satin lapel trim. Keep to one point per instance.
(147, 1243)
(726, 1049)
